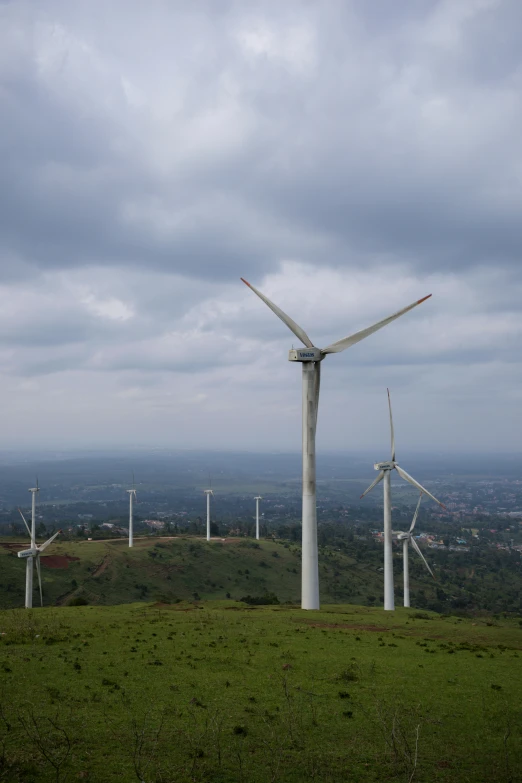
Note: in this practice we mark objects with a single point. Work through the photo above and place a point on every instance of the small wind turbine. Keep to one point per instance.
(132, 497)
(311, 358)
(208, 493)
(33, 554)
(257, 499)
(385, 469)
(405, 538)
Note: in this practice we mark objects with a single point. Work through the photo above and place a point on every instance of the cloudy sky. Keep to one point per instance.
(346, 157)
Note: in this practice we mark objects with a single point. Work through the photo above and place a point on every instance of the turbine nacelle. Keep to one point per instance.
(28, 553)
(305, 355)
(384, 465)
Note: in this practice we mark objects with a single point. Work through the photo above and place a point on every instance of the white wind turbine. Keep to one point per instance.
(257, 499)
(311, 358)
(33, 554)
(385, 469)
(208, 493)
(408, 538)
(132, 498)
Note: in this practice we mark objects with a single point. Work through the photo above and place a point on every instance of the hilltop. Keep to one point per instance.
(180, 568)
(187, 567)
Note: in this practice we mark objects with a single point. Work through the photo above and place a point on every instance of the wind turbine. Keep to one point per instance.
(208, 493)
(405, 538)
(311, 358)
(257, 499)
(34, 552)
(385, 469)
(132, 497)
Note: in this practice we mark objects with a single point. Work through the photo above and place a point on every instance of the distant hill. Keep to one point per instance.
(187, 568)
(166, 569)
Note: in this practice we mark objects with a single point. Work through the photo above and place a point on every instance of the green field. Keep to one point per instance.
(108, 572)
(217, 691)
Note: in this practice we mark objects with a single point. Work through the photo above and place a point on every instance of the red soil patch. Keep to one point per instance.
(57, 561)
(7, 545)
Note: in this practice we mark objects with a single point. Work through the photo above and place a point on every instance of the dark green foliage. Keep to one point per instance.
(78, 600)
(260, 600)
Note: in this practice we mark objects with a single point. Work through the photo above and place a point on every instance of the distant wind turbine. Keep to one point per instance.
(311, 358)
(385, 469)
(408, 538)
(132, 497)
(208, 493)
(257, 499)
(32, 555)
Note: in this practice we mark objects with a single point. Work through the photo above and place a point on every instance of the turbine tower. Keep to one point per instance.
(311, 358)
(257, 499)
(208, 493)
(32, 534)
(408, 538)
(132, 497)
(385, 469)
(32, 555)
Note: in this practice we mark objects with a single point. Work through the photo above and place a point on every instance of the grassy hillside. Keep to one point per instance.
(219, 692)
(184, 568)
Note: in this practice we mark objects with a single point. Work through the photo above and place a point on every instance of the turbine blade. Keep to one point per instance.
(295, 328)
(392, 432)
(416, 514)
(44, 546)
(37, 558)
(407, 477)
(347, 342)
(373, 484)
(418, 550)
(25, 523)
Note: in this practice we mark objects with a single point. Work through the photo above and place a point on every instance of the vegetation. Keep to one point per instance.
(223, 692)
(185, 567)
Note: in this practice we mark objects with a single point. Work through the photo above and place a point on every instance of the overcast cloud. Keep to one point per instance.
(345, 157)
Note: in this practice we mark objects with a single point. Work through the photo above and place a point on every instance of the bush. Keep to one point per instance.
(260, 600)
(79, 600)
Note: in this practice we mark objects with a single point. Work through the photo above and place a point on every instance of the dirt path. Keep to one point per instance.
(102, 567)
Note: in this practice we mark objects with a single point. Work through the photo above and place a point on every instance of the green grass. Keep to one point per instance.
(218, 692)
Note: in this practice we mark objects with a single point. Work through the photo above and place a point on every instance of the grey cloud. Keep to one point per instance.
(352, 168)
(151, 157)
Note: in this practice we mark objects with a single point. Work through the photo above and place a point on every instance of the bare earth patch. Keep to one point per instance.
(353, 627)
(57, 561)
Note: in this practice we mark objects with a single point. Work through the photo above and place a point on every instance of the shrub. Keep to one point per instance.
(241, 730)
(260, 600)
(78, 600)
